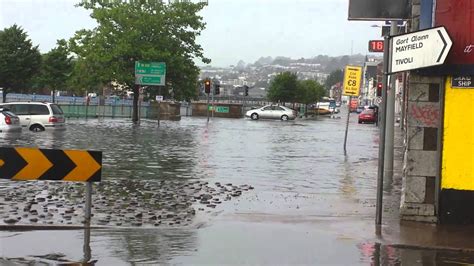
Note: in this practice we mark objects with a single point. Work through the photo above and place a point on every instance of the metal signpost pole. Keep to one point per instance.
(390, 117)
(87, 223)
(347, 123)
(207, 107)
(212, 91)
(382, 114)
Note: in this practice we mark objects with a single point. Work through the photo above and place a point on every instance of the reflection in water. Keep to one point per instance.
(150, 246)
(378, 255)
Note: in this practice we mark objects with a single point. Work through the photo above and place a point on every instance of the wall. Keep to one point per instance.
(421, 157)
(235, 110)
(457, 179)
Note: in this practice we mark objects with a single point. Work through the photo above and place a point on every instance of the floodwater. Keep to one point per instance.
(310, 204)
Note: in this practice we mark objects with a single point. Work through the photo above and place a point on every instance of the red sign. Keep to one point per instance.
(458, 19)
(376, 46)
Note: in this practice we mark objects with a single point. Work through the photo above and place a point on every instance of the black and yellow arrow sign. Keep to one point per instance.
(47, 164)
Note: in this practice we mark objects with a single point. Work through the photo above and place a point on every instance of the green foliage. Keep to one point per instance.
(56, 67)
(19, 60)
(334, 77)
(310, 91)
(139, 30)
(283, 88)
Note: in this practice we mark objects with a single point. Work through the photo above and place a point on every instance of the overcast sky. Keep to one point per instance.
(236, 29)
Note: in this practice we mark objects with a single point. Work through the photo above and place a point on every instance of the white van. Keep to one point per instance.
(37, 116)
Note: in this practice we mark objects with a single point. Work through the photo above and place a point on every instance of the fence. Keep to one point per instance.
(114, 111)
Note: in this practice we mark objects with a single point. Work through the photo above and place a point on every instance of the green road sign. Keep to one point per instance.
(150, 73)
(220, 109)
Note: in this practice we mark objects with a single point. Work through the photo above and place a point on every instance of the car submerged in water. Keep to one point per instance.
(9, 122)
(272, 112)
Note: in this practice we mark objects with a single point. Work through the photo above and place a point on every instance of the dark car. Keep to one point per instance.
(367, 116)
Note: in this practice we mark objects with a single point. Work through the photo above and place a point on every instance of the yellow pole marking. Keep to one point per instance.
(2, 163)
(86, 166)
(37, 165)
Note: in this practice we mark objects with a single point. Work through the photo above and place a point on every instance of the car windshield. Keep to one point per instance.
(56, 109)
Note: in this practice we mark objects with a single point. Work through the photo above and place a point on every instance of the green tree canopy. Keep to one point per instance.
(140, 30)
(56, 68)
(19, 60)
(283, 88)
(334, 77)
(310, 91)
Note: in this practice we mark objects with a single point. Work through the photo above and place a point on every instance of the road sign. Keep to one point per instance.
(47, 164)
(419, 49)
(219, 109)
(159, 98)
(378, 100)
(150, 73)
(352, 77)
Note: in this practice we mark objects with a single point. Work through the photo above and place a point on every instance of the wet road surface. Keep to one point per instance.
(310, 203)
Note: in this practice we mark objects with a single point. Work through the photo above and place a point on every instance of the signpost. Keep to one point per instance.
(351, 87)
(419, 49)
(150, 73)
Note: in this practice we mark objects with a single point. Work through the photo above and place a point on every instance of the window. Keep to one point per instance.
(19, 109)
(38, 109)
(56, 109)
(269, 108)
(278, 108)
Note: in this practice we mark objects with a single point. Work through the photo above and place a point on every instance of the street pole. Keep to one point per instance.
(212, 89)
(207, 107)
(382, 114)
(390, 116)
(159, 105)
(347, 122)
(139, 105)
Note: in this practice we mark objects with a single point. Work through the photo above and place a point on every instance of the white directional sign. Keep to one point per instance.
(419, 49)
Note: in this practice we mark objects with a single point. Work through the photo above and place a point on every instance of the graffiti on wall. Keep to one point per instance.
(427, 115)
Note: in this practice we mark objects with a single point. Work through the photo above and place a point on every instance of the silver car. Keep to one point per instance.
(37, 116)
(272, 112)
(9, 122)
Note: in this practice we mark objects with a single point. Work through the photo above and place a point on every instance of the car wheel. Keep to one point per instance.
(360, 122)
(36, 128)
(254, 116)
(284, 117)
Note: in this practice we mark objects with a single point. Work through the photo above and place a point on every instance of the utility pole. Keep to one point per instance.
(384, 122)
(390, 116)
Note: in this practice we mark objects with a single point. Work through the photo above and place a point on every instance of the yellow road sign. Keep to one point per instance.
(352, 78)
(47, 164)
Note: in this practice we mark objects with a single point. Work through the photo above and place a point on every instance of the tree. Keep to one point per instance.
(310, 91)
(56, 68)
(141, 30)
(19, 60)
(333, 78)
(283, 88)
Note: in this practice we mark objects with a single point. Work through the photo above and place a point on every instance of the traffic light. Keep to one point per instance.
(379, 89)
(207, 86)
(217, 89)
(246, 90)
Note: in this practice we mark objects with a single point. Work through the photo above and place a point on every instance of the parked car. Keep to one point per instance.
(367, 116)
(9, 122)
(272, 112)
(37, 116)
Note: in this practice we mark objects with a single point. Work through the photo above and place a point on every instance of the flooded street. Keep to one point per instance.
(300, 200)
